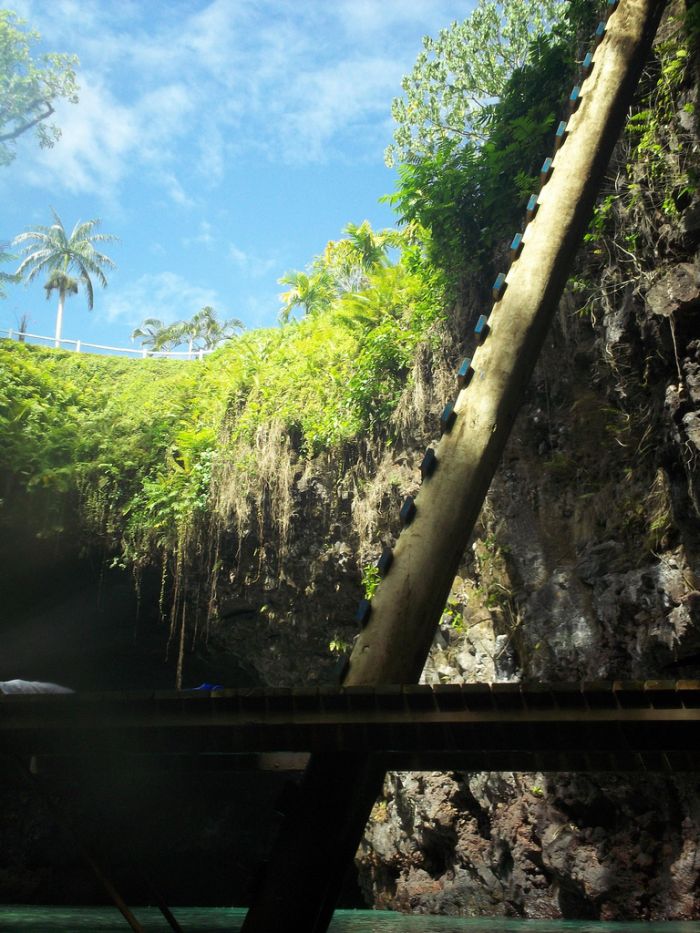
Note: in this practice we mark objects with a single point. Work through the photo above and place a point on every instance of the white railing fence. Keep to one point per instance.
(80, 346)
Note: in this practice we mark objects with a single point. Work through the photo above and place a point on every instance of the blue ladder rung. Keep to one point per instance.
(385, 561)
(465, 373)
(364, 610)
(482, 327)
(560, 134)
(448, 417)
(428, 464)
(499, 285)
(408, 511)
(531, 208)
(516, 244)
(546, 170)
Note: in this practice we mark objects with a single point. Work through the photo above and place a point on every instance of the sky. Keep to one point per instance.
(224, 143)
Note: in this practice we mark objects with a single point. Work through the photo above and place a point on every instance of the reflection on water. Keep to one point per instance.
(212, 919)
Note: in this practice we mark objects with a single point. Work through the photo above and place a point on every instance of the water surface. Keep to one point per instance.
(23, 919)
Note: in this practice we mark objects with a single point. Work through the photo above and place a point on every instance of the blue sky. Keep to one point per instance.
(223, 142)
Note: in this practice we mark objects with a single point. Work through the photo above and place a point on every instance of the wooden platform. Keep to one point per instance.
(620, 726)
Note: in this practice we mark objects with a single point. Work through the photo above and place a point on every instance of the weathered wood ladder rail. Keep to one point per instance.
(305, 872)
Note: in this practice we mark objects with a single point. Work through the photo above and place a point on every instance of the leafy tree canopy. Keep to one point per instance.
(459, 76)
(29, 87)
(472, 197)
(344, 266)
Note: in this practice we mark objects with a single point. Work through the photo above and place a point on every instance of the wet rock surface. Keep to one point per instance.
(586, 566)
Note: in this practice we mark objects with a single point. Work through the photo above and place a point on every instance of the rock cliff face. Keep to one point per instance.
(586, 565)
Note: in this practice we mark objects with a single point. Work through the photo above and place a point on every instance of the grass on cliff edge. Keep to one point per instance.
(135, 450)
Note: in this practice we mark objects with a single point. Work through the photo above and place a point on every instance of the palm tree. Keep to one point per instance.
(202, 332)
(65, 285)
(340, 262)
(50, 249)
(156, 335)
(391, 292)
(312, 292)
(368, 248)
(205, 328)
(350, 261)
(5, 277)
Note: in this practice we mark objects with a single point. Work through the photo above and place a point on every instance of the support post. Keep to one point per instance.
(317, 842)
(305, 875)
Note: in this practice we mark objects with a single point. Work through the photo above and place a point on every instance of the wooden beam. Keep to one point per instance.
(275, 729)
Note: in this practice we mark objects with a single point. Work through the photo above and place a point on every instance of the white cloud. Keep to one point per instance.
(253, 266)
(96, 138)
(204, 236)
(166, 296)
(175, 190)
(164, 113)
(341, 99)
(377, 19)
(293, 82)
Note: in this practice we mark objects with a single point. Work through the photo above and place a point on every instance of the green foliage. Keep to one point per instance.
(311, 292)
(458, 77)
(205, 332)
(83, 427)
(602, 218)
(30, 87)
(657, 163)
(657, 173)
(155, 335)
(138, 447)
(453, 616)
(158, 458)
(338, 646)
(470, 197)
(344, 266)
(370, 580)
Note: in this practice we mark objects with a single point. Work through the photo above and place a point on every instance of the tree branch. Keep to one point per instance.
(465, 134)
(27, 125)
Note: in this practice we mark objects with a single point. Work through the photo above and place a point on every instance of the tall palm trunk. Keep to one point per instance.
(59, 317)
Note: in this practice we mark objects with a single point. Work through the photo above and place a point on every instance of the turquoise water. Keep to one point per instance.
(211, 919)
